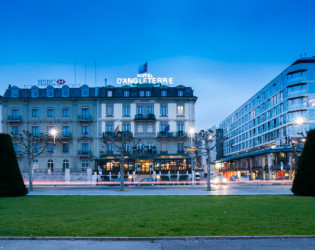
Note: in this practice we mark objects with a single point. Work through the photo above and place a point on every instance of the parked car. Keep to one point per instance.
(234, 178)
(146, 181)
(220, 180)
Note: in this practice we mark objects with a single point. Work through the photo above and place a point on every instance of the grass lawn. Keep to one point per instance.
(157, 215)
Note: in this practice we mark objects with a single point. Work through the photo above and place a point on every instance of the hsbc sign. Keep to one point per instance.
(52, 82)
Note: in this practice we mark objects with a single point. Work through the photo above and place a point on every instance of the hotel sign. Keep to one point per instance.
(52, 82)
(145, 78)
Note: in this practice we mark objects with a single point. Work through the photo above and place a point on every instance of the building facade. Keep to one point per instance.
(157, 116)
(266, 134)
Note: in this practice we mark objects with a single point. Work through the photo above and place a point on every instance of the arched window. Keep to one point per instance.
(50, 164)
(85, 90)
(65, 164)
(85, 164)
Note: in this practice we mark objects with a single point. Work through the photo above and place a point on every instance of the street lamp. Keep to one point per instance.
(192, 132)
(54, 132)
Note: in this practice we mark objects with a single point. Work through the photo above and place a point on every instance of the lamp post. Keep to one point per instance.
(298, 122)
(192, 132)
(53, 132)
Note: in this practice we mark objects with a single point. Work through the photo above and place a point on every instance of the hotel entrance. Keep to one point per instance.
(144, 166)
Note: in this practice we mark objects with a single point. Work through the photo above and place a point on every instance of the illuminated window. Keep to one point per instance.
(180, 110)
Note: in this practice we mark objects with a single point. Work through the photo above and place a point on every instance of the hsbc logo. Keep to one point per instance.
(52, 82)
(61, 81)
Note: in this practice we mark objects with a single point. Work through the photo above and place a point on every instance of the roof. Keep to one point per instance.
(101, 92)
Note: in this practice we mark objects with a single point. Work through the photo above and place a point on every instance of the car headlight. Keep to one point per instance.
(224, 180)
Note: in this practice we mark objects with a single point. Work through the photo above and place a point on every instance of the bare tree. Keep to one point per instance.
(207, 137)
(31, 146)
(118, 141)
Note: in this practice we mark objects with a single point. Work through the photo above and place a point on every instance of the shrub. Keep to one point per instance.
(304, 181)
(11, 181)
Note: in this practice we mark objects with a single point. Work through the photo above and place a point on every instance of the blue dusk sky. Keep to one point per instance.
(225, 50)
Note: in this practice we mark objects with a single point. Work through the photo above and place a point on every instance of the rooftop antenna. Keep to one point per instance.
(75, 72)
(84, 71)
(95, 73)
(105, 82)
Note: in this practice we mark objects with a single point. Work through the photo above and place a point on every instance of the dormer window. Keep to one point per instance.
(50, 91)
(148, 93)
(109, 93)
(180, 93)
(126, 93)
(34, 91)
(85, 91)
(164, 93)
(65, 91)
(141, 93)
(14, 92)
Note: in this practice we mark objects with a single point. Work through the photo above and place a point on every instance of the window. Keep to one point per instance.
(149, 145)
(65, 91)
(139, 110)
(139, 145)
(50, 164)
(148, 93)
(126, 93)
(180, 110)
(109, 110)
(163, 110)
(180, 127)
(150, 110)
(180, 93)
(141, 93)
(85, 113)
(85, 147)
(85, 164)
(65, 147)
(109, 93)
(180, 147)
(50, 147)
(126, 127)
(65, 164)
(50, 91)
(50, 112)
(16, 147)
(85, 91)
(163, 93)
(165, 127)
(14, 92)
(15, 130)
(34, 112)
(65, 131)
(34, 91)
(109, 128)
(85, 130)
(35, 147)
(127, 147)
(65, 112)
(140, 128)
(150, 129)
(35, 164)
(15, 113)
(35, 130)
(126, 110)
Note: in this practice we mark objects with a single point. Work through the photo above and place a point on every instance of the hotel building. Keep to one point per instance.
(266, 134)
(157, 116)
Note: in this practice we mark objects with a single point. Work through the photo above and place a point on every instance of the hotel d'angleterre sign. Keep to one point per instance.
(145, 78)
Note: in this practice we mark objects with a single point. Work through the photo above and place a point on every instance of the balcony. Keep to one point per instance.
(84, 118)
(149, 117)
(180, 134)
(117, 134)
(163, 152)
(297, 107)
(84, 153)
(297, 93)
(14, 118)
(180, 152)
(66, 137)
(165, 135)
(144, 151)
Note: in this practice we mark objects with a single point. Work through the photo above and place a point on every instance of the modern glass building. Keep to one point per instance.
(266, 134)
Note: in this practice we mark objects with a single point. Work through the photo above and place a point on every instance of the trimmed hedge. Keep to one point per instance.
(304, 181)
(11, 181)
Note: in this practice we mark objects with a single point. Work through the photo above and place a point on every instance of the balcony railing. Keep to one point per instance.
(297, 93)
(149, 117)
(84, 153)
(165, 134)
(180, 152)
(180, 134)
(67, 136)
(144, 151)
(117, 134)
(14, 118)
(84, 118)
(297, 106)
(163, 152)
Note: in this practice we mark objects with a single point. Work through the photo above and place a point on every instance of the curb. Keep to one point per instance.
(161, 238)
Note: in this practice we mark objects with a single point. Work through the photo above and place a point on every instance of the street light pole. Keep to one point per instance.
(191, 132)
(53, 132)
